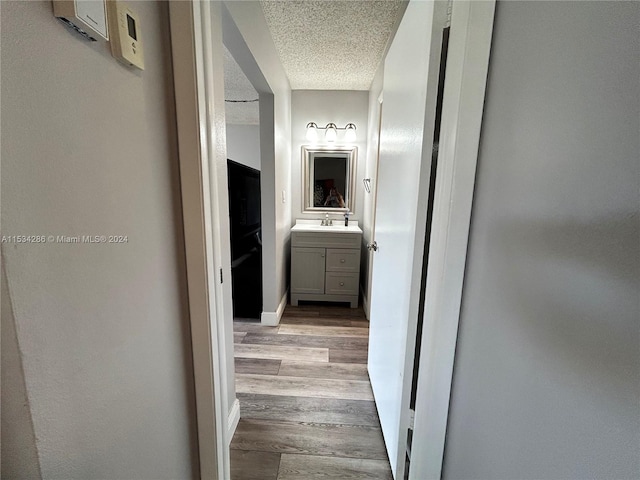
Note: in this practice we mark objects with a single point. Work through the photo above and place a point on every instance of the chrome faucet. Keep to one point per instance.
(326, 222)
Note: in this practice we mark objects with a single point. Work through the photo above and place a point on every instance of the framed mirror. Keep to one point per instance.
(329, 178)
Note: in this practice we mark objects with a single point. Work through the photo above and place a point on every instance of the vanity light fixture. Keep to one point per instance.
(331, 132)
(350, 132)
(312, 132)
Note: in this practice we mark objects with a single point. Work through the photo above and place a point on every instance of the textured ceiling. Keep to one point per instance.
(331, 44)
(238, 87)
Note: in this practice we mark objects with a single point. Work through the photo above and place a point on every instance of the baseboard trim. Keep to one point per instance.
(272, 319)
(232, 421)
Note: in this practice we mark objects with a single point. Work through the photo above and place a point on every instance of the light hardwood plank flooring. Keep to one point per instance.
(308, 409)
(303, 387)
(349, 441)
(254, 465)
(324, 321)
(304, 467)
(306, 405)
(315, 341)
(342, 355)
(342, 371)
(253, 327)
(257, 366)
(277, 352)
(326, 310)
(324, 331)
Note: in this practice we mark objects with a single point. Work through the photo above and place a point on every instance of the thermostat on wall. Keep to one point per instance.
(126, 37)
(87, 17)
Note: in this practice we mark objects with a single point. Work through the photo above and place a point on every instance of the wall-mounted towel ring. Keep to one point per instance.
(367, 184)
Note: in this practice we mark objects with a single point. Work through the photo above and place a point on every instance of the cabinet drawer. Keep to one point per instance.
(326, 239)
(341, 283)
(341, 260)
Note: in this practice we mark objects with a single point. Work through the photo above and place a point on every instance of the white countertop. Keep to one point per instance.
(337, 227)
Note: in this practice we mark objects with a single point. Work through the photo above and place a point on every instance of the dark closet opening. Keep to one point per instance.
(246, 239)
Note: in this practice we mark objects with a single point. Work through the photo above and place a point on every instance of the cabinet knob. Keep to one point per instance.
(322, 255)
(342, 284)
(342, 260)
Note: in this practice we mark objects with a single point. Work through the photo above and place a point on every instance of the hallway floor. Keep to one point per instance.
(306, 403)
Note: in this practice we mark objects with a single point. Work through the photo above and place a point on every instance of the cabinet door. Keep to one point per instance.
(307, 270)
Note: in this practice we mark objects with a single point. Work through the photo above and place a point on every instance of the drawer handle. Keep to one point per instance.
(342, 284)
(342, 260)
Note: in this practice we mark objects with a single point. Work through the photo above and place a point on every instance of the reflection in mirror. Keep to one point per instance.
(328, 178)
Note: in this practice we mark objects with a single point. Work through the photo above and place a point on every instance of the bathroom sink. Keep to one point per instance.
(337, 227)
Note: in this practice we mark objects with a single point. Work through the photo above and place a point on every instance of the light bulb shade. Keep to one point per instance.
(331, 133)
(312, 132)
(350, 132)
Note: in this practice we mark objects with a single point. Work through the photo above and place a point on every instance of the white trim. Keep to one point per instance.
(366, 289)
(211, 94)
(186, 45)
(438, 18)
(466, 75)
(199, 93)
(232, 421)
(272, 319)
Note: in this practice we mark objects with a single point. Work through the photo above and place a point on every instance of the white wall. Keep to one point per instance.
(323, 107)
(243, 144)
(546, 380)
(89, 148)
(275, 123)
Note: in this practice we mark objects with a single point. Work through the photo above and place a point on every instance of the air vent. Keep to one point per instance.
(75, 28)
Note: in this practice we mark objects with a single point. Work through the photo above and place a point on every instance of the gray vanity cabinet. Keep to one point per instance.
(325, 266)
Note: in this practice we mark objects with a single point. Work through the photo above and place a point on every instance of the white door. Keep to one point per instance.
(406, 137)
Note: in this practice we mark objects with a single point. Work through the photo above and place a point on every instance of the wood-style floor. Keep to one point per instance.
(306, 406)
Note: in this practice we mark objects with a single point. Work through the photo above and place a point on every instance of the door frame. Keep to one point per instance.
(467, 67)
(463, 104)
(374, 202)
(190, 24)
(423, 30)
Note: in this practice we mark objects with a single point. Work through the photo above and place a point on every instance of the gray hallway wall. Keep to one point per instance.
(547, 369)
(89, 148)
(18, 454)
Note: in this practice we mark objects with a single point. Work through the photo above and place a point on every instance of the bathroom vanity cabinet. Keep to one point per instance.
(325, 264)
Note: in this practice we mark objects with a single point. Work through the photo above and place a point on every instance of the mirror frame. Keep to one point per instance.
(308, 153)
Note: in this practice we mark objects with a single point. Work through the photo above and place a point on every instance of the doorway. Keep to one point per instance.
(242, 121)
(447, 218)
